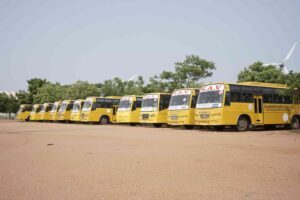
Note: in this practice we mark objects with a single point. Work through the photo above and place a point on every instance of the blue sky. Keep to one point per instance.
(65, 41)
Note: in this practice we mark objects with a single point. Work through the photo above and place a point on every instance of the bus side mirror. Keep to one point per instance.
(227, 99)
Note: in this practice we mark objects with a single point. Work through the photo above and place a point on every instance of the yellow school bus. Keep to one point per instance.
(102, 110)
(35, 112)
(64, 111)
(129, 109)
(76, 110)
(182, 106)
(54, 111)
(154, 109)
(24, 112)
(246, 104)
(45, 111)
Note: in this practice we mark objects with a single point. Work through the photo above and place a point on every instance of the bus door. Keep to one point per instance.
(114, 114)
(258, 110)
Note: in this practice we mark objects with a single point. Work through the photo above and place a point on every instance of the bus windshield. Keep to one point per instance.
(76, 106)
(210, 99)
(124, 105)
(21, 109)
(43, 108)
(63, 106)
(54, 108)
(87, 105)
(179, 102)
(150, 103)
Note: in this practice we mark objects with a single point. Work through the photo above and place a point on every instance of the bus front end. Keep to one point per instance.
(53, 112)
(129, 109)
(181, 110)
(209, 106)
(20, 113)
(76, 111)
(86, 112)
(154, 109)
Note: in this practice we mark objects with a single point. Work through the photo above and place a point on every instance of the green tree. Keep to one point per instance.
(3, 102)
(119, 87)
(256, 72)
(33, 85)
(23, 97)
(187, 74)
(81, 90)
(50, 92)
(293, 82)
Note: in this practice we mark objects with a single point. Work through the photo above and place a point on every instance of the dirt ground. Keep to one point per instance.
(74, 161)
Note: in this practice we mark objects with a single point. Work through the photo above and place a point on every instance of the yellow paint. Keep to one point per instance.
(182, 107)
(45, 111)
(54, 111)
(35, 112)
(129, 109)
(76, 111)
(95, 108)
(24, 112)
(151, 111)
(270, 113)
(64, 111)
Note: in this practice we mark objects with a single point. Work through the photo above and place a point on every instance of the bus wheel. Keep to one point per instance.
(189, 127)
(27, 119)
(294, 123)
(242, 124)
(104, 120)
(219, 128)
(157, 125)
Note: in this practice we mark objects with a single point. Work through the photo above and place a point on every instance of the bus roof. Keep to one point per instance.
(158, 93)
(254, 84)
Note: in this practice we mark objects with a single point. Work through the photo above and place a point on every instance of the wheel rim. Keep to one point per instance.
(242, 124)
(104, 120)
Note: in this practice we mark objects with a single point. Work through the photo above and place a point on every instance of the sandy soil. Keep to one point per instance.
(73, 161)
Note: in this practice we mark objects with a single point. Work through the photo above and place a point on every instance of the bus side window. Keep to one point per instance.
(227, 99)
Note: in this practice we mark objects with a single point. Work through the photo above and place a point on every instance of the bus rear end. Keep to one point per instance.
(54, 110)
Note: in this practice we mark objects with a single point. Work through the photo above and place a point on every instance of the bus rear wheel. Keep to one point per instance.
(294, 123)
(242, 124)
(104, 120)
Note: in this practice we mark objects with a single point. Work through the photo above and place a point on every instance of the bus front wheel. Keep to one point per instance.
(104, 120)
(242, 124)
(294, 123)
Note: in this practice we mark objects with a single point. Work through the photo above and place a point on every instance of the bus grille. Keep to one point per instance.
(204, 116)
(145, 116)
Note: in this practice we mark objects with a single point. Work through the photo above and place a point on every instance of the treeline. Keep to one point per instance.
(187, 73)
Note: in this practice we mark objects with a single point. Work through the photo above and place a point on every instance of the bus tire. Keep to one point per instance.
(242, 124)
(158, 125)
(294, 122)
(104, 120)
(27, 119)
(189, 127)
